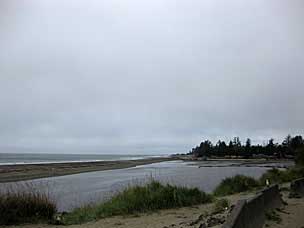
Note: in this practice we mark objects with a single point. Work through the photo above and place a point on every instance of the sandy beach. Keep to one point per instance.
(11, 173)
(292, 214)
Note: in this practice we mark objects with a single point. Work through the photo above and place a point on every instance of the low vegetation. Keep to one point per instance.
(240, 183)
(137, 199)
(276, 176)
(299, 159)
(22, 207)
(220, 206)
(236, 184)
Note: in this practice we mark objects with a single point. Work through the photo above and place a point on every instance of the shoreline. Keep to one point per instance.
(22, 172)
(31, 171)
(280, 164)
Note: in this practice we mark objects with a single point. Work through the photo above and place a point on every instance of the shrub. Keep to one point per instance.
(136, 199)
(300, 157)
(22, 207)
(276, 176)
(236, 184)
(296, 172)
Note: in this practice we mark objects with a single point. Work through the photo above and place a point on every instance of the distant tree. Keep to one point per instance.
(247, 150)
(206, 148)
(236, 142)
(286, 149)
(222, 148)
(296, 142)
(270, 148)
(287, 141)
(270, 143)
(299, 159)
(248, 143)
(230, 144)
(289, 146)
(237, 146)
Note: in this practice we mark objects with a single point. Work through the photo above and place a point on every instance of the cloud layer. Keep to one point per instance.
(133, 76)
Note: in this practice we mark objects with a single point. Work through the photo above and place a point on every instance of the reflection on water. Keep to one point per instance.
(75, 190)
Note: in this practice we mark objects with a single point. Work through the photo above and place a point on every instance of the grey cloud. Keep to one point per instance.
(148, 76)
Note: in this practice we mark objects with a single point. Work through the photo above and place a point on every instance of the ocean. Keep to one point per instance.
(36, 158)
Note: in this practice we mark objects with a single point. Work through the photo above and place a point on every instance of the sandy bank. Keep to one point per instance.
(10, 173)
(292, 214)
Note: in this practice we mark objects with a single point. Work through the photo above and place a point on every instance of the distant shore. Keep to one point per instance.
(272, 163)
(21, 172)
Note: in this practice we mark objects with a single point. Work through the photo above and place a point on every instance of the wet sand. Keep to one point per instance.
(12, 173)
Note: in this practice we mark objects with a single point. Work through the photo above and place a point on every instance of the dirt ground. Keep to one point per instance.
(292, 214)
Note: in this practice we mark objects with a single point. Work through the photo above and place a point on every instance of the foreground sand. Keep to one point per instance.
(10, 173)
(292, 214)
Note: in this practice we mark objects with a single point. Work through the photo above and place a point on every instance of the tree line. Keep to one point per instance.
(287, 149)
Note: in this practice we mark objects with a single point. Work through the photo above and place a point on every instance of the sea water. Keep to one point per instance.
(37, 158)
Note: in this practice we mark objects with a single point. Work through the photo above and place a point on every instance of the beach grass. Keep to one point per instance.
(139, 199)
(17, 207)
(241, 183)
(236, 184)
(276, 176)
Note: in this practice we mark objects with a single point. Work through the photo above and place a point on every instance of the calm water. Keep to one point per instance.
(15, 158)
(75, 190)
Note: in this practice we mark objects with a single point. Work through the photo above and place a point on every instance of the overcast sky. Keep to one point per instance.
(157, 76)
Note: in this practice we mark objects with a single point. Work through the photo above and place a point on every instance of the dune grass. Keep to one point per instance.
(241, 183)
(276, 176)
(138, 199)
(155, 195)
(23, 207)
(236, 184)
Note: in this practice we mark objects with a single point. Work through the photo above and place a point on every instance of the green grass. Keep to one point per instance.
(138, 199)
(276, 176)
(155, 195)
(240, 183)
(22, 207)
(236, 184)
